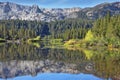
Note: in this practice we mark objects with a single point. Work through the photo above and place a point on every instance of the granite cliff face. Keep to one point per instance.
(15, 11)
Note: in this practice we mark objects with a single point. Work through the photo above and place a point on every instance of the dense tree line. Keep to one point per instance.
(11, 29)
(107, 28)
(66, 29)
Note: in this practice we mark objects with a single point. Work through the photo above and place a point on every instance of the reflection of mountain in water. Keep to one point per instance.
(32, 60)
(17, 68)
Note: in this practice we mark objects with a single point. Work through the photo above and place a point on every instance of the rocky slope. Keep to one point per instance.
(14, 11)
(100, 10)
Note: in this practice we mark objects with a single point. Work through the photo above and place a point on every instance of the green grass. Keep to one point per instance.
(2, 40)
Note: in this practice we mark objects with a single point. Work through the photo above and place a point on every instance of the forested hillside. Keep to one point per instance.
(66, 29)
(106, 30)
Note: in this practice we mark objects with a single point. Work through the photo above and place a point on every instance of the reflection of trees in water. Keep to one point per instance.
(66, 55)
(28, 52)
(107, 63)
(102, 63)
(16, 51)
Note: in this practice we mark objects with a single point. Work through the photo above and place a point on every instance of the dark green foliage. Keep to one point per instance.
(15, 29)
(65, 29)
(108, 28)
(69, 29)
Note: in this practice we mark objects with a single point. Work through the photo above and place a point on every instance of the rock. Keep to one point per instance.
(15, 11)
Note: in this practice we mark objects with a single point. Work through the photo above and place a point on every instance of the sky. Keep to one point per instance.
(60, 3)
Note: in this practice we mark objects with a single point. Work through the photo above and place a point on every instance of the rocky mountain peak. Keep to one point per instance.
(36, 9)
(15, 11)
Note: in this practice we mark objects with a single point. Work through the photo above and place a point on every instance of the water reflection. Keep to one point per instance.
(23, 59)
(11, 69)
(59, 76)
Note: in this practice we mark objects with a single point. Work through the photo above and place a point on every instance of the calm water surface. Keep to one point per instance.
(40, 62)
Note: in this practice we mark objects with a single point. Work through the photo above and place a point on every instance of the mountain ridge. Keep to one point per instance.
(10, 10)
(101, 10)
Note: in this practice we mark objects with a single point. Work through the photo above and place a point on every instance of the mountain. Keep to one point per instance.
(100, 10)
(15, 11)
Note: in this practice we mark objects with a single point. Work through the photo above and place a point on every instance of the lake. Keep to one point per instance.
(45, 62)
